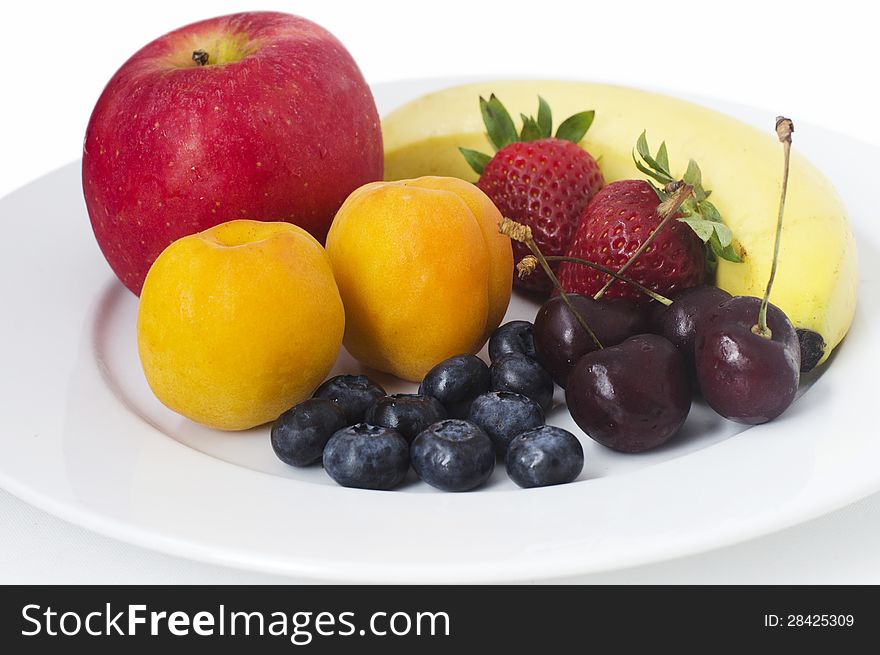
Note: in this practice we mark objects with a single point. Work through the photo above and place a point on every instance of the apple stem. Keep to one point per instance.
(641, 287)
(523, 234)
(784, 128)
(200, 57)
(666, 211)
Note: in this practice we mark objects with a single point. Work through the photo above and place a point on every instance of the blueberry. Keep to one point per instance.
(520, 374)
(453, 455)
(353, 393)
(503, 415)
(544, 456)
(455, 382)
(408, 413)
(367, 457)
(300, 434)
(512, 337)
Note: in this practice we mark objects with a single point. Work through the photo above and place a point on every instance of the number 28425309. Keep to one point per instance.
(809, 620)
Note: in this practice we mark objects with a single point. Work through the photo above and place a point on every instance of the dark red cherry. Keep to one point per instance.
(630, 397)
(744, 376)
(678, 321)
(560, 341)
(654, 314)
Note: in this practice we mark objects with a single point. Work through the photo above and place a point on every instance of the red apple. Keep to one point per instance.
(256, 115)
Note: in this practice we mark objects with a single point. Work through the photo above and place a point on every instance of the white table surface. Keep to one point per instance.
(840, 548)
(843, 547)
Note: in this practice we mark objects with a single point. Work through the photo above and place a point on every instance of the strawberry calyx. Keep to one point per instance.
(699, 213)
(501, 129)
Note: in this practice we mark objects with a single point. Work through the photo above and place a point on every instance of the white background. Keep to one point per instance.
(813, 61)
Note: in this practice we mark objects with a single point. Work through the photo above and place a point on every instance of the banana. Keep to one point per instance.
(816, 281)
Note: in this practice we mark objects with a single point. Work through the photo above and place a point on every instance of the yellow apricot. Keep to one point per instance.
(422, 271)
(238, 323)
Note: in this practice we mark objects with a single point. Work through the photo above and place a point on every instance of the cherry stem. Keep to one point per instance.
(784, 128)
(523, 234)
(200, 57)
(666, 210)
(641, 287)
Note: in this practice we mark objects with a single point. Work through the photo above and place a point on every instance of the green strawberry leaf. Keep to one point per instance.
(707, 210)
(658, 170)
(724, 252)
(700, 214)
(711, 260)
(703, 229)
(661, 167)
(706, 230)
(545, 118)
(694, 177)
(476, 160)
(660, 177)
(499, 124)
(530, 129)
(662, 157)
(642, 146)
(575, 127)
(724, 233)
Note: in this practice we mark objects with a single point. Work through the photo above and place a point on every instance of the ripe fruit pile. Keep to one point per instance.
(465, 414)
(632, 391)
(239, 321)
(817, 285)
(628, 389)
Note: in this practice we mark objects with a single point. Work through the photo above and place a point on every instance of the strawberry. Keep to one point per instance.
(614, 225)
(541, 181)
(624, 214)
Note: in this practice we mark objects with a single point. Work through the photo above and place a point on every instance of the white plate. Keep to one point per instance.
(82, 436)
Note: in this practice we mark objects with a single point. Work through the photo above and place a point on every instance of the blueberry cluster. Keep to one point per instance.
(465, 415)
